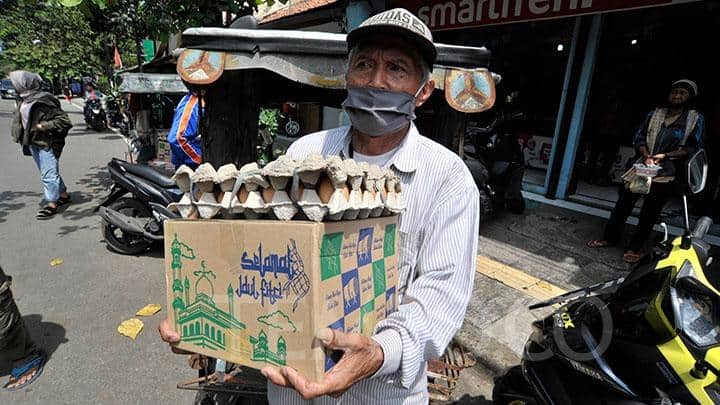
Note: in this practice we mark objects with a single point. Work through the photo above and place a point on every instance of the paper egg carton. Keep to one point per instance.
(315, 188)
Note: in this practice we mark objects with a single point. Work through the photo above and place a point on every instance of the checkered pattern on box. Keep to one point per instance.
(355, 272)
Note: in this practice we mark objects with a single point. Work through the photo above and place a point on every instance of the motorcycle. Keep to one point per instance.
(650, 338)
(495, 161)
(95, 115)
(131, 224)
(117, 117)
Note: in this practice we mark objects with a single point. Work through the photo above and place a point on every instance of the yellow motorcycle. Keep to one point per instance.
(650, 338)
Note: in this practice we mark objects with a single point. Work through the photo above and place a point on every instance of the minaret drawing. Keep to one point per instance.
(178, 251)
(231, 304)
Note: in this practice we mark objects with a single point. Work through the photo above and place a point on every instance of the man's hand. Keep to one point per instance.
(362, 357)
(658, 157)
(168, 334)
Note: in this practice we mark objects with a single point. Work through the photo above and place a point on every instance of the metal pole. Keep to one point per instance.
(687, 219)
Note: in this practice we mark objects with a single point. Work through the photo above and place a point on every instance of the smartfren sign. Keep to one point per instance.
(453, 14)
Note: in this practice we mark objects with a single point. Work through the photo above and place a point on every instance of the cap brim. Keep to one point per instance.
(426, 48)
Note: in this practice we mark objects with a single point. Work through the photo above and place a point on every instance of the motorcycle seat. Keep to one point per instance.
(149, 173)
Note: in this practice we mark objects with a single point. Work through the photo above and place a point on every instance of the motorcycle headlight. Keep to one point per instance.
(96, 111)
(696, 308)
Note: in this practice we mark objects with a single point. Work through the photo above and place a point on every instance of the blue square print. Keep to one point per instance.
(364, 247)
(333, 356)
(390, 301)
(351, 291)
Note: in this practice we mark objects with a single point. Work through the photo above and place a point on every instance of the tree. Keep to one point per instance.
(46, 38)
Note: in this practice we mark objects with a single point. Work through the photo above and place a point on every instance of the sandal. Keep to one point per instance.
(46, 213)
(631, 257)
(37, 364)
(63, 201)
(598, 243)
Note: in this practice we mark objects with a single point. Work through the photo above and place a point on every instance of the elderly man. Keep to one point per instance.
(389, 64)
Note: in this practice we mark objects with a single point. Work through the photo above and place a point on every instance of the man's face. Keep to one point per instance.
(678, 95)
(388, 65)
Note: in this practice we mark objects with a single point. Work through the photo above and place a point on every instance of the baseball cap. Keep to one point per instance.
(397, 21)
(688, 85)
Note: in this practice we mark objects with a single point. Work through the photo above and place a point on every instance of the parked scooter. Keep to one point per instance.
(131, 224)
(495, 161)
(95, 115)
(650, 338)
(117, 115)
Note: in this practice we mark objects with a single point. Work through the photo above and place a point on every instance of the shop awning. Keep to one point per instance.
(152, 83)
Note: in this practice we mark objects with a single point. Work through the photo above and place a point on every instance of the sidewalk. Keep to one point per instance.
(522, 259)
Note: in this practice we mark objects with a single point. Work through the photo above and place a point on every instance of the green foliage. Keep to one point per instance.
(269, 119)
(54, 41)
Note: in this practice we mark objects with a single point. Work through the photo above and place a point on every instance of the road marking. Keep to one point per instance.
(516, 279)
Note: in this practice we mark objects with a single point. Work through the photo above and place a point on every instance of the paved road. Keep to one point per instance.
(73, 309)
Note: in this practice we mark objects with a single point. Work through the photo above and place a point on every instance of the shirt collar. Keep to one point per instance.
(404, 160)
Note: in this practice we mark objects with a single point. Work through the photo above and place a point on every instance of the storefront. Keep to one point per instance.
(584, 73)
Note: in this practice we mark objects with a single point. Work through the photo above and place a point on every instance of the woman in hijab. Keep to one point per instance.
(669, 134)
(40, 126)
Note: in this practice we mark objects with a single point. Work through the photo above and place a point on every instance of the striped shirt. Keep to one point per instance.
(437, 242)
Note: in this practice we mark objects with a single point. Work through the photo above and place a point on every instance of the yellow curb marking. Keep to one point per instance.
(532, 286)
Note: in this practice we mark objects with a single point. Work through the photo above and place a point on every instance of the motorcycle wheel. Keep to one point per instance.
(120, 241)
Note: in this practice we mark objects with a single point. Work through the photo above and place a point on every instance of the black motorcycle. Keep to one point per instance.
(117, 117)
(134, 211)
(95, 115)
(494, 158)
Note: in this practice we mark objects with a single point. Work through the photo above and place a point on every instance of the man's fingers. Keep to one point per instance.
(275, 376)
(335, 339)
(306, 388)
(167, 333)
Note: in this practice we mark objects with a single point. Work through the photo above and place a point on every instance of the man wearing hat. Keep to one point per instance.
(390, 59)
(389, 64)
(670, 133)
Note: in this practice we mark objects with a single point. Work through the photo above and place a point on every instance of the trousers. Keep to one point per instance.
(48, 162)
(660, 194)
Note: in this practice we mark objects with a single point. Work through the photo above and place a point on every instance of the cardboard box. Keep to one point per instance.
(254, 292)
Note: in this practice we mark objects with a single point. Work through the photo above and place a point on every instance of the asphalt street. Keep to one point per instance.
(73, 309)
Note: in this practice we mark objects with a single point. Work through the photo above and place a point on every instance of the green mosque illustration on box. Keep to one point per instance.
(202, 323)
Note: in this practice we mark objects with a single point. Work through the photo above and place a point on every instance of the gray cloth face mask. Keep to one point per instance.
(377, 112)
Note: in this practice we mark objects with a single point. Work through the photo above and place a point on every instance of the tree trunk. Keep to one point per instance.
(139, 53)
(231, 119)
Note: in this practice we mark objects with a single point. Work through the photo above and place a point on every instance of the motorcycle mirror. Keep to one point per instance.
(697, 168)
(665, 232)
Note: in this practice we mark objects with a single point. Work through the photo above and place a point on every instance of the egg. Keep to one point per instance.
(268, 194)
(325, 189)
(242, 194)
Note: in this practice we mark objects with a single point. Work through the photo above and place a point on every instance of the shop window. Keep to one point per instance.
(532, 58)
(641, 52)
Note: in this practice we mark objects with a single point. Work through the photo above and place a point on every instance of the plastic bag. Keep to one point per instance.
(639, 184)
